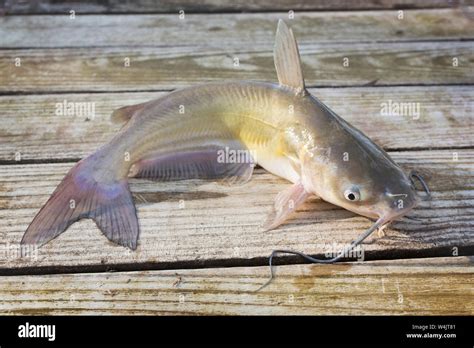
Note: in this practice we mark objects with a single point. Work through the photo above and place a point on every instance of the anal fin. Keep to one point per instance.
(229, 164)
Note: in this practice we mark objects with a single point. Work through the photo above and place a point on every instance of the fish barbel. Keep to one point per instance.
(219, 131)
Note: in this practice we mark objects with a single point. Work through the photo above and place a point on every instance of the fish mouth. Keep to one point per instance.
(394, 210)
(412, 198)
(395, 205)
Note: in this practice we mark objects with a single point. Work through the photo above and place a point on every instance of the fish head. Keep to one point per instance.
(381, 193)
(347, 169)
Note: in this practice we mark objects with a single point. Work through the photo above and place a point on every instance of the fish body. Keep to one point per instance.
(241, 115)
(189, 133)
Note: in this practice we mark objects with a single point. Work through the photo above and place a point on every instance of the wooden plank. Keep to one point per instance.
(441, 286)
(33, 131)
(232, 30)
(192, 223)
(190, 6)
(102, 69)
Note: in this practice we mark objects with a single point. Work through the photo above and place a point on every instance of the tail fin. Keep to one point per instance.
(80, 196)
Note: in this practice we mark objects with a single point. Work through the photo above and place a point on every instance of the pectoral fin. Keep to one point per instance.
(286, 202)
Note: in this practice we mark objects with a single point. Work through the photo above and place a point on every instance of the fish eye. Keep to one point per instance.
(352, 194)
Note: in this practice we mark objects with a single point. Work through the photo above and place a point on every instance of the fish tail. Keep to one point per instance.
(88, 191)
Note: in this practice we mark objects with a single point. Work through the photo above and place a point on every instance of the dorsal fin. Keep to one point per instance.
(125, 113)
(287, 59)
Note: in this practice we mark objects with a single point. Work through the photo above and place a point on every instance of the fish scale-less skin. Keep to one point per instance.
(254, 113)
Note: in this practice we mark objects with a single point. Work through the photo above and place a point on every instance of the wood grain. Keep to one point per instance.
(441, 286)
(33, 131)
(102, 69)
(167, 6)
(196, 223)
(232, 30)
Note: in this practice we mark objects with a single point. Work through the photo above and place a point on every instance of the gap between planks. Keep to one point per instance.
(214, 6)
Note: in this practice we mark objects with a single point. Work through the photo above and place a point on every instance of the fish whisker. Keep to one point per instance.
(414, 175)
(311, 259)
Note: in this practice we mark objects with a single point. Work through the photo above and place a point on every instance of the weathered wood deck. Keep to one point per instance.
(201, 249)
